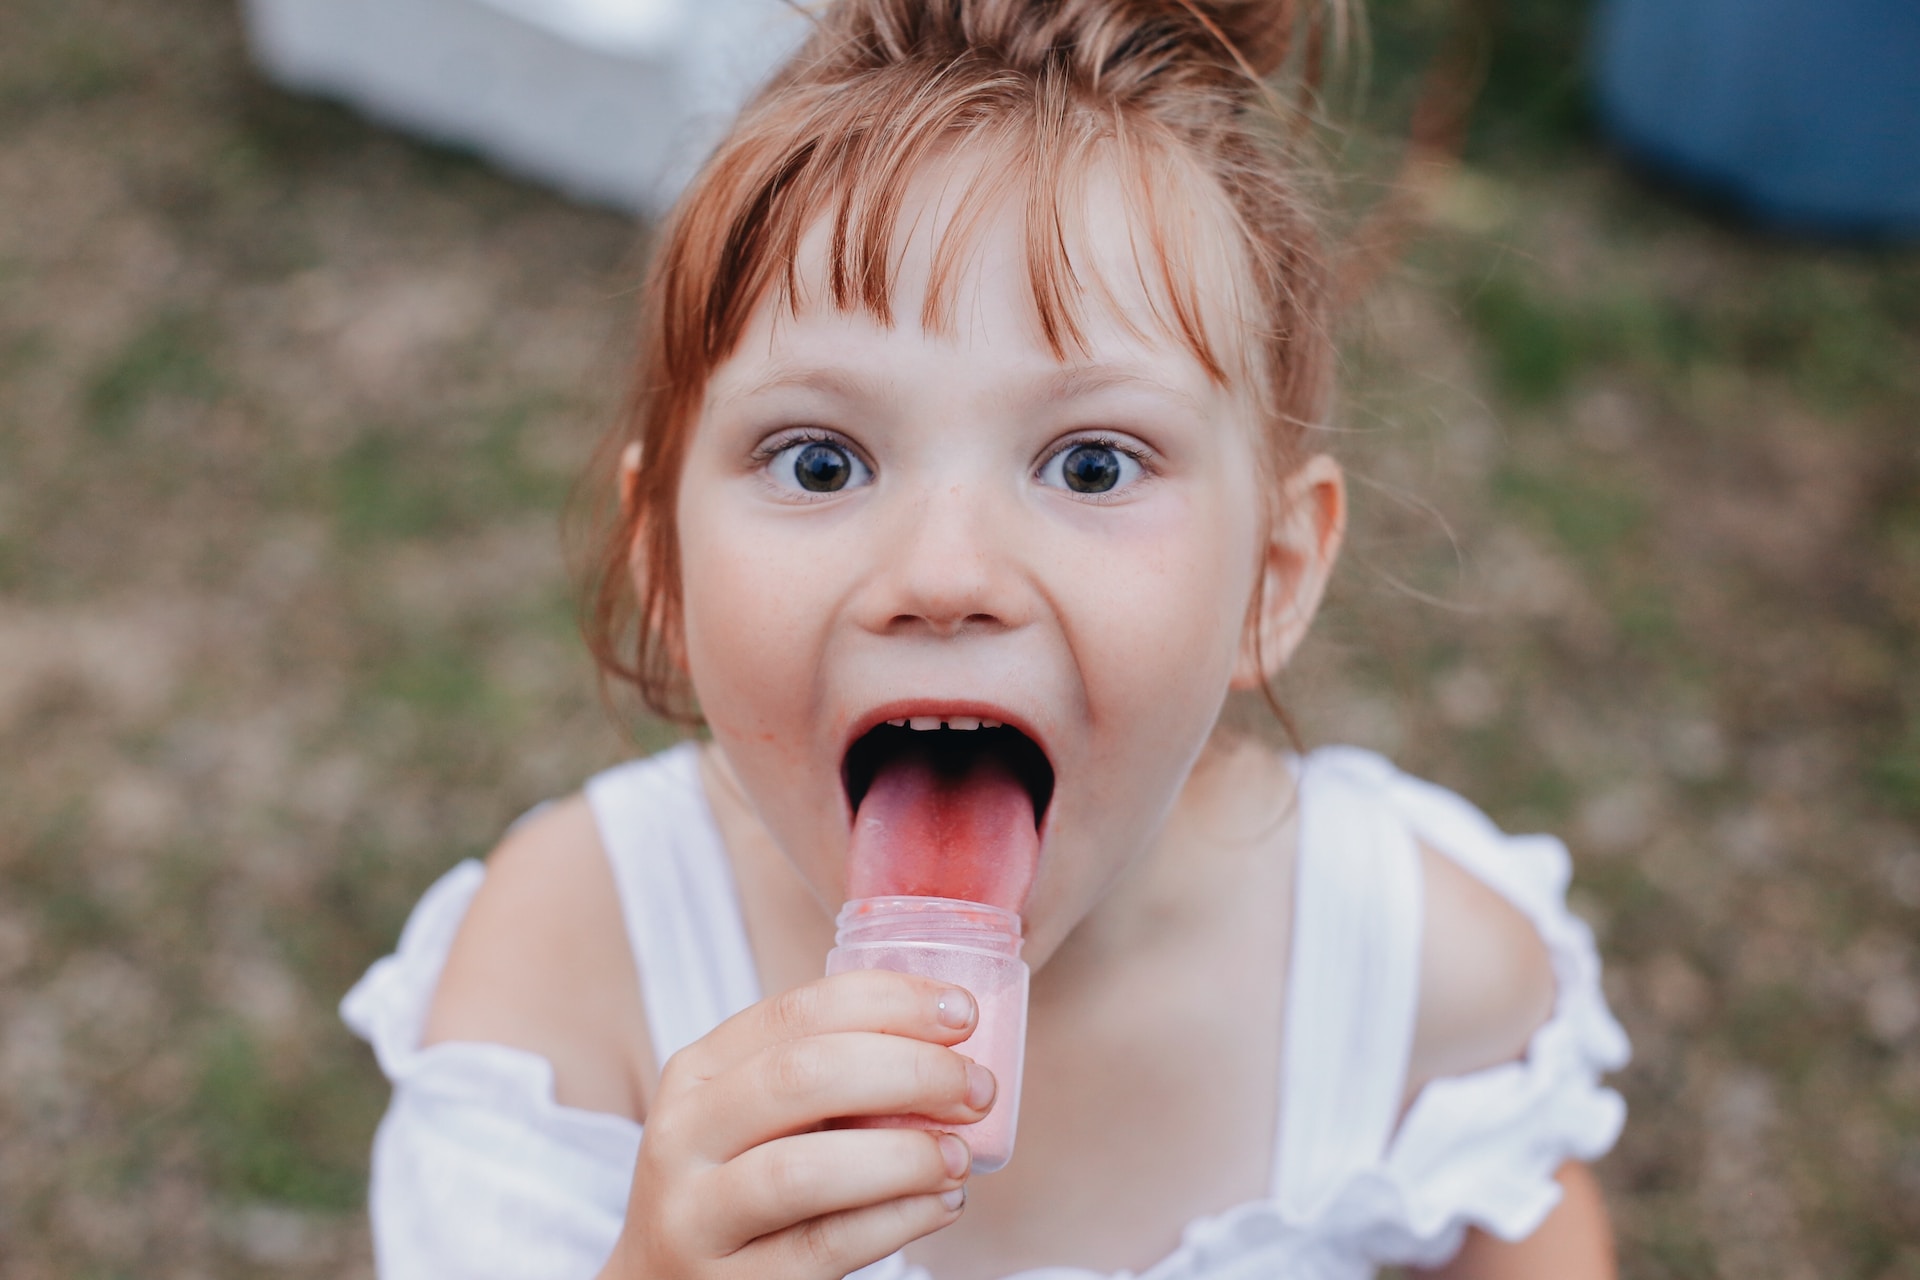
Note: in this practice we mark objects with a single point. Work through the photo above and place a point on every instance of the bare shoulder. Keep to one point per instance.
(542, 963)
(1486, 981)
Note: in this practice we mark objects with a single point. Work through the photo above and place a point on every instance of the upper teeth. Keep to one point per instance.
(950, 722)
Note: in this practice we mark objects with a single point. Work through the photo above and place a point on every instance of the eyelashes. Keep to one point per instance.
(1094, 466)
(811, 463)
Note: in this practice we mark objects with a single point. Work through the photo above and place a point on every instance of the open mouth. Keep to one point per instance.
(946, 807)
(952, 752)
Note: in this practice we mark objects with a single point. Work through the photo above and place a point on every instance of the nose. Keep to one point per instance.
(948, 565)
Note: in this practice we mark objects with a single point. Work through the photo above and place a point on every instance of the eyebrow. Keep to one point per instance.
(1060, 385)
(1086, 380)
(838, 382)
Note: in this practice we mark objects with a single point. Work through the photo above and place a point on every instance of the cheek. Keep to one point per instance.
(1167, 626)
(746, 636)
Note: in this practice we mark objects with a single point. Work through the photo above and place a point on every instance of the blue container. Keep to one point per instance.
(1803, 114)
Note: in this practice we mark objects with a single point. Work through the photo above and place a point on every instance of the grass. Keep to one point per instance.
(167, 358)
(290, 1141)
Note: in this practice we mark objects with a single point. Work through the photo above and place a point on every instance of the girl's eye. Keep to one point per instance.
(817, 466)
(1091, 466)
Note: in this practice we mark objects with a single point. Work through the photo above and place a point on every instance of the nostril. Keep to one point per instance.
(947, 627)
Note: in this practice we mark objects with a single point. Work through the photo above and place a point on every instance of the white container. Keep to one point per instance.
(613, 101)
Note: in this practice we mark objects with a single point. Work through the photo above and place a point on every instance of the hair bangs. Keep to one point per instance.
(827, 220)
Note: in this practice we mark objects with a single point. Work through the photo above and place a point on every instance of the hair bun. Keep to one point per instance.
(1259, 37)
(1260, 34)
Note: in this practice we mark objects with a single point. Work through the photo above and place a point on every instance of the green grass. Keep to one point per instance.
(1676, 1249)
(385, 489)
(1542, 339)
(280, 1138)
(441, 681)
(440, 477)
(1533, 101)
(73, 67)
(169, 357)
(1593, 519)
(1896, 769)
(46, 869)
(1781, 1028)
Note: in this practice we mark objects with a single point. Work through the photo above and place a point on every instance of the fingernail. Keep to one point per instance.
(954, 1152)
(955, 1198)
(980, 1086)
(955, 1008)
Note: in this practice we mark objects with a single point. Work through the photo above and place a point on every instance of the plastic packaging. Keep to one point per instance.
(971, 945)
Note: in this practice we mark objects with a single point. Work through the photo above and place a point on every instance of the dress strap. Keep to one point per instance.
(676, 895)
(1353, 985)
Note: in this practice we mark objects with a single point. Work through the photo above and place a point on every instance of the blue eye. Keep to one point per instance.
(817, 466)
(1091, 467)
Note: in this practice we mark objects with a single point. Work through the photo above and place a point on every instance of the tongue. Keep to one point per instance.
(929, 828)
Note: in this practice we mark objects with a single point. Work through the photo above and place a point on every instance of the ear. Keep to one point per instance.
(1296, 560)
(627, 480)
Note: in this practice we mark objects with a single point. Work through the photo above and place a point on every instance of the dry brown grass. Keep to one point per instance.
(287, 407)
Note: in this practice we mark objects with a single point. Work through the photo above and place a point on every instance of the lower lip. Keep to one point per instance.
(981, 961)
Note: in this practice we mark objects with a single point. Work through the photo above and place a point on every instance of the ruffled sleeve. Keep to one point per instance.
(478, 1174)
(1481, 1150)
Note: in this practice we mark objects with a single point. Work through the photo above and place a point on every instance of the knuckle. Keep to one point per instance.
(794, 1013)
(930, 1162)
(820, 1240)
(913, 1161)
(661, 1135)
(939, 1073)
(901, 989)
(882, 989)
(799, 1068)
(679, 1071)
(789, 1176)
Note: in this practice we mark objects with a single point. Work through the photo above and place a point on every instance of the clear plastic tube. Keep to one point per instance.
(970, 945)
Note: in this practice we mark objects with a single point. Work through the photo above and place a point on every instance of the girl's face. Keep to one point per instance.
(882, 522)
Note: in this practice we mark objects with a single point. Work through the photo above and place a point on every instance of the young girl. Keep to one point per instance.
(973, 422)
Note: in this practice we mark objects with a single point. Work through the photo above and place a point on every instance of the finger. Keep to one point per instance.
(839, 1243)
(809, 1175)
(899, 1004)
(794, 1086)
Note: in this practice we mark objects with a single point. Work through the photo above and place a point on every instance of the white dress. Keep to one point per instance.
(478, 1174)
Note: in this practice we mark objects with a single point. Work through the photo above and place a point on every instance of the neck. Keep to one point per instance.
(791, 928)
(1218, 844)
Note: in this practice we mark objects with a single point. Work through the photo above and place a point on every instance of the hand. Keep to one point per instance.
(738, 1178)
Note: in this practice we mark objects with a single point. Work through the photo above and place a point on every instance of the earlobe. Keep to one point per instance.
(1297, 560)
(629, 478)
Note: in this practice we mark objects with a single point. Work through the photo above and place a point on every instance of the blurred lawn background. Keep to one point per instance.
(288, 407)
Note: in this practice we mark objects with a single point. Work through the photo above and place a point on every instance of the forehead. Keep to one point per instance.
(1120, 253)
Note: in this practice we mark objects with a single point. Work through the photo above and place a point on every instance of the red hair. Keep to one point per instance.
(1168, 89)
